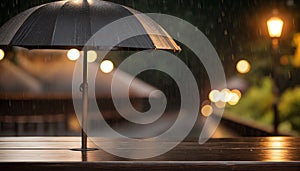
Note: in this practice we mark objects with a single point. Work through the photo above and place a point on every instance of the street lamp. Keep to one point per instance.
(275, 26)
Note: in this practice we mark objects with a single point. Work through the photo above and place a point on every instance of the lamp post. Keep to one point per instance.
(275, 26)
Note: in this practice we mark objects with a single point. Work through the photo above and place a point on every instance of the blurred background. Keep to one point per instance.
(262, 71)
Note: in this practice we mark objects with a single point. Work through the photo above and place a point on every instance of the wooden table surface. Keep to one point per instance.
(53, 153)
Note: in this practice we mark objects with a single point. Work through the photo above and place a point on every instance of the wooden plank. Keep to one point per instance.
(151, 166)
(52, 153)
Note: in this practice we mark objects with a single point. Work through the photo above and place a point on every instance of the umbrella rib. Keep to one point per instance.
(133, 12)
(9, 29)
(160, 40)
(89, 20)
(54, 29)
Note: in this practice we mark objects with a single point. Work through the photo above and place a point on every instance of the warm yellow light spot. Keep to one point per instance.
(284, 60)
(275, 25)
(91, 56)
(243, 66)
(225, 95)
(234, 99)
(73, 124)
(296, 39)
(279, 150)
(296, 43)
(73, 54)
(106, 66)
(272, 139)
(206, 110)
(237, 92)
(214, 96)
(220, 104)
(2, 54)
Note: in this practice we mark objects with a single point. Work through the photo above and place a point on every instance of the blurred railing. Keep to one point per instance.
(246, 128)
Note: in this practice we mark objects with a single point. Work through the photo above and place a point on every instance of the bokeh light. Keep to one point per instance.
(220, 104)
(284, 60)
(73, 54)
(214, 96)
(91, 56)
(106, 66)
(238, 92)
(206, 110)
(220, 98)
(225, 95)
(2, 54)
(234, 99)
(243, 66)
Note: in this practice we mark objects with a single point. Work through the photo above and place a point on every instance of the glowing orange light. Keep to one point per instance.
(206, 110)
(2, 54)
(275, 25)
(214, 96)
(243, 66)
(73, 54)
(106, 66)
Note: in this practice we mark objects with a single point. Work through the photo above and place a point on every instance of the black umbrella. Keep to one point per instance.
(65, 24)
(71, 23)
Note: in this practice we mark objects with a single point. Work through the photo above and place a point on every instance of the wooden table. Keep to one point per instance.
(52, 153)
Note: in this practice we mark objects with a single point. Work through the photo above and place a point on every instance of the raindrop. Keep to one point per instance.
(223, 14)
(259, 32)
(293, 21)
(233, 37)
(232, 56)
(199, 5)
(219, 20)
(225, 32)
(207, 32)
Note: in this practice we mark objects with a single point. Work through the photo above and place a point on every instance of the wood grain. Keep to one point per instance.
(52, 153)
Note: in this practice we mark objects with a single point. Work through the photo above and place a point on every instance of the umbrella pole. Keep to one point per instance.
(84, 119)
(84, 101)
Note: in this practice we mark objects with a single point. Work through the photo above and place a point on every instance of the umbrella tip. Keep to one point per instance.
(84, 1)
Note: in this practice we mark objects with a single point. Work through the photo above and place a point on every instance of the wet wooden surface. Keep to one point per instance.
(53, 153)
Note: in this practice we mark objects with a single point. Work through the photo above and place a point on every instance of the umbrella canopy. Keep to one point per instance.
(71, 23)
